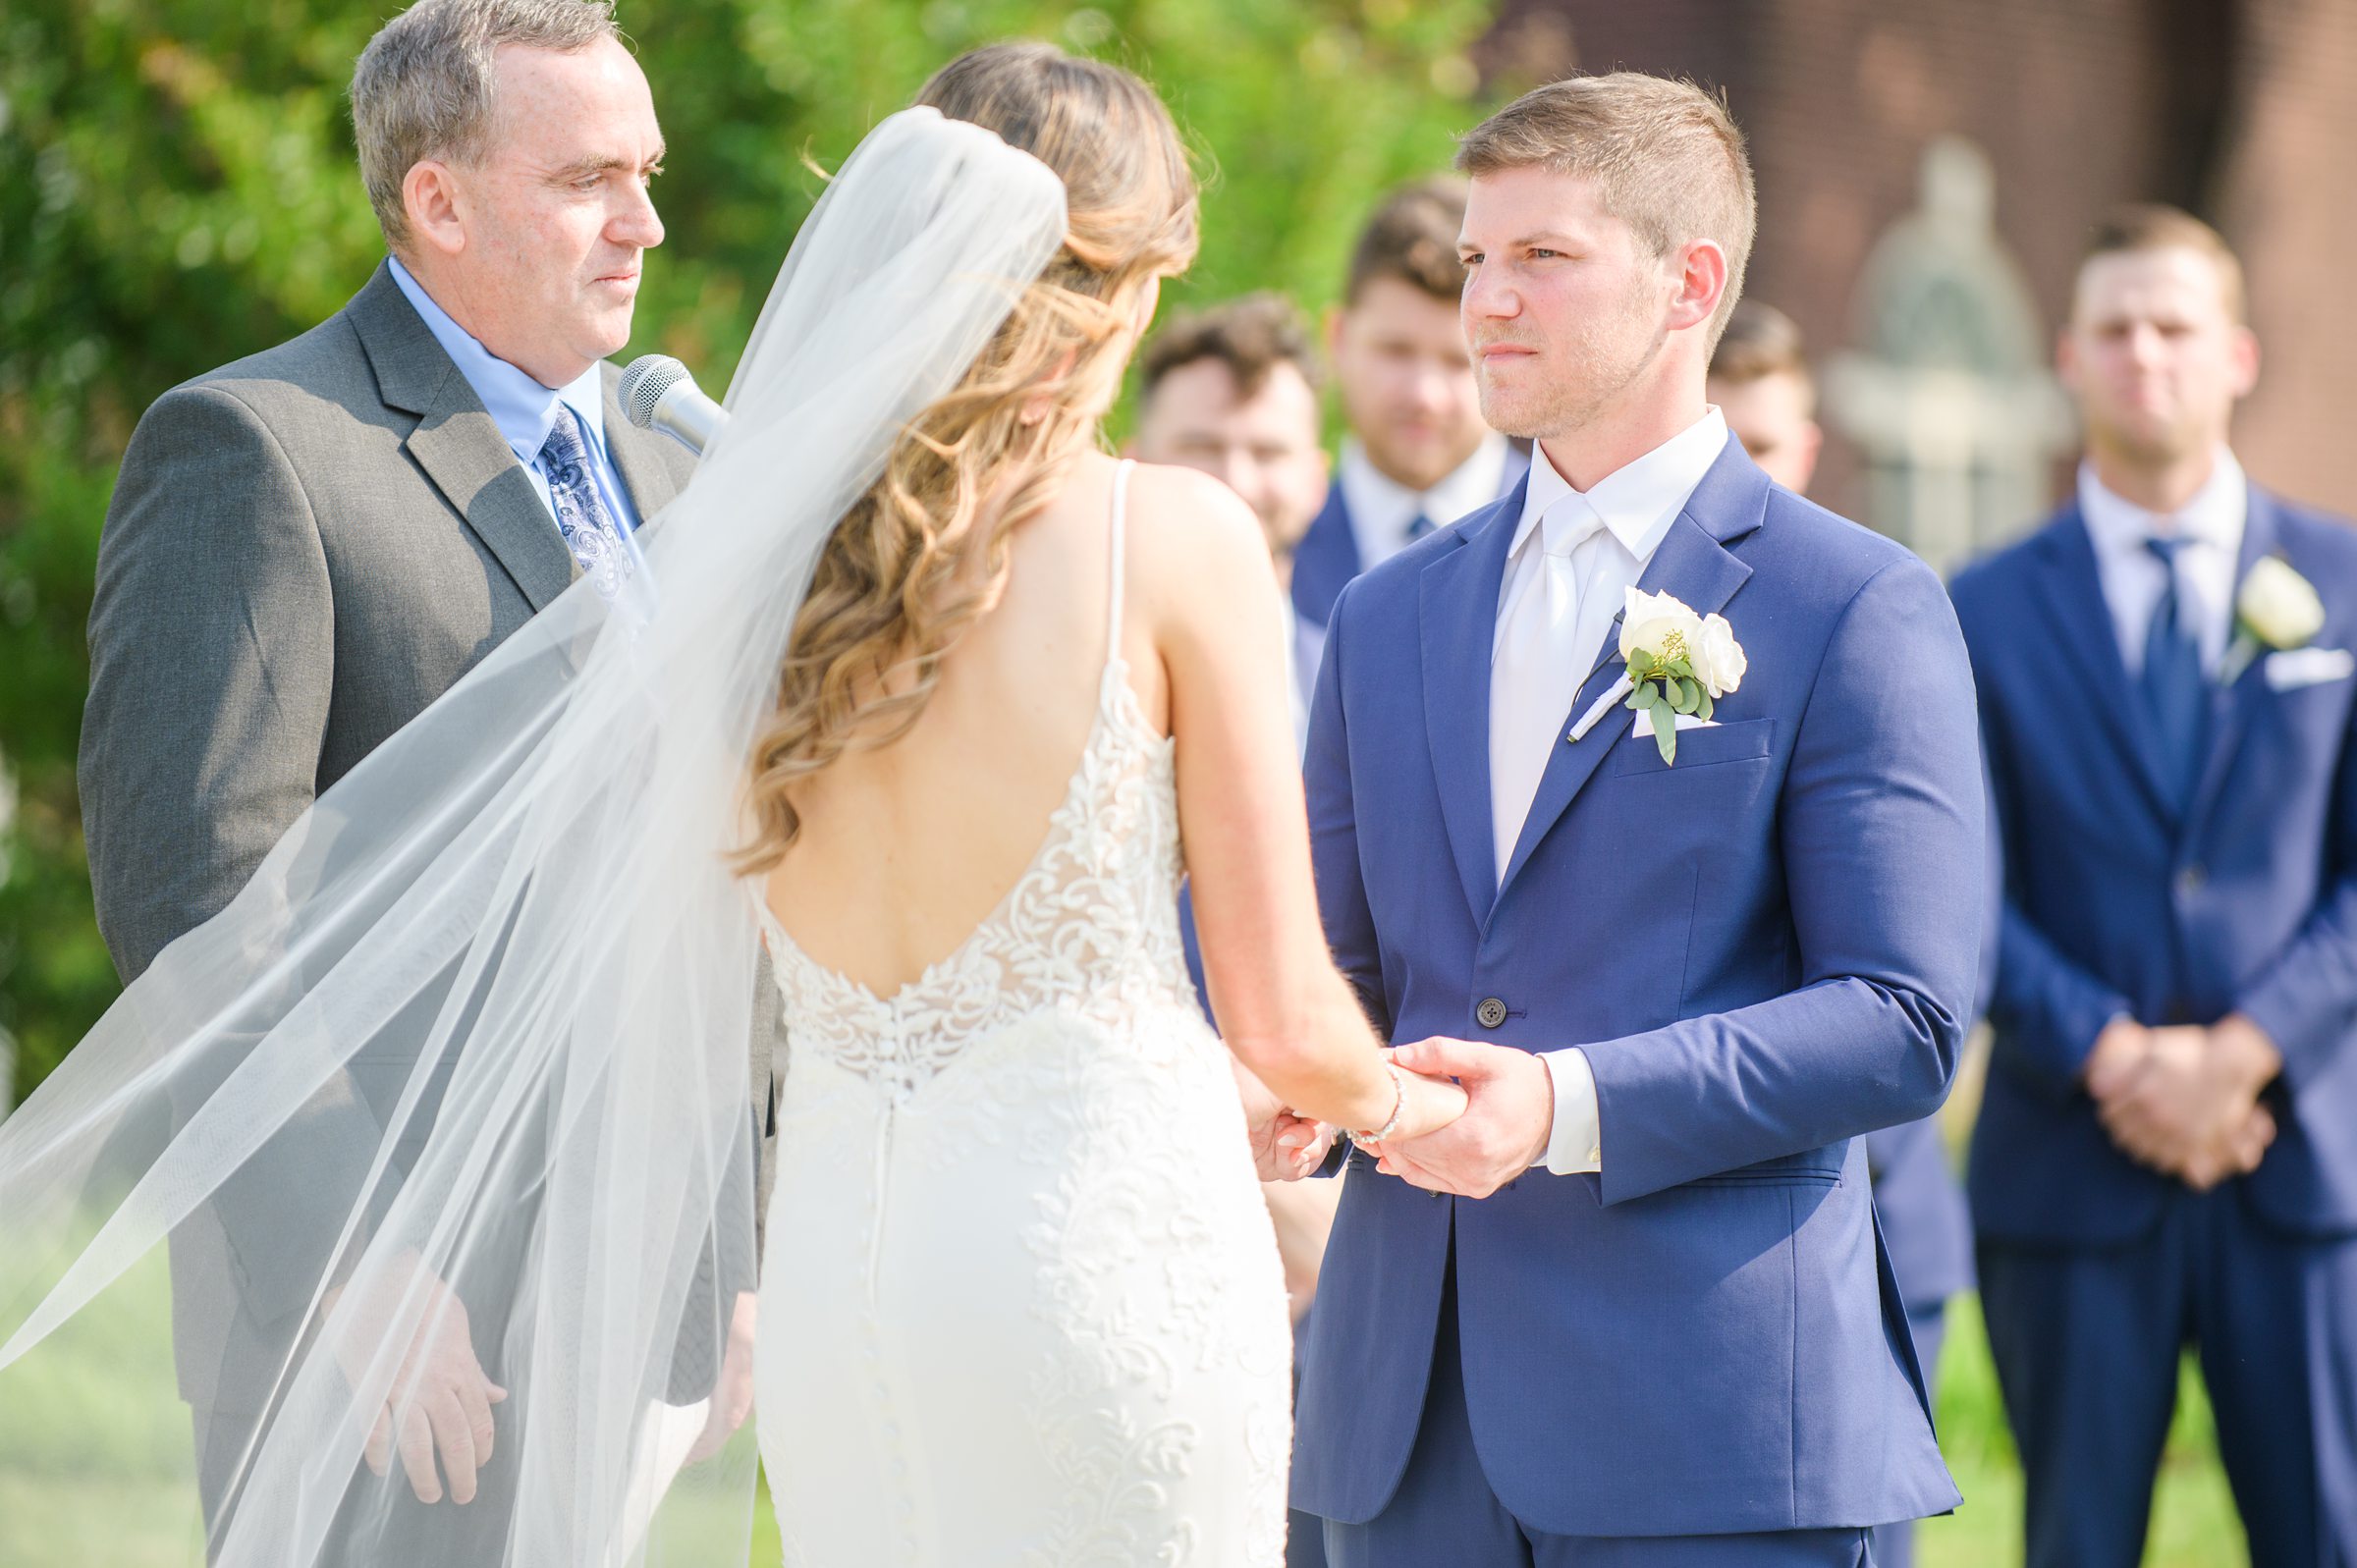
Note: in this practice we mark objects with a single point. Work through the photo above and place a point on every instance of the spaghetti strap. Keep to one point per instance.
(1120, 530)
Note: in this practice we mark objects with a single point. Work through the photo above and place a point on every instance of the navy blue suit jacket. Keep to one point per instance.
(1766, 950)
(1326, 558)
(1922, 1208)
(1916, 1194)
(2117, 903)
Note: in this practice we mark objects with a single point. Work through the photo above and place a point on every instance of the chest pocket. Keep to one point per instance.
(1750, 740)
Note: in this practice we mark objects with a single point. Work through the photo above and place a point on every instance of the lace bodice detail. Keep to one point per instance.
(1091, 928)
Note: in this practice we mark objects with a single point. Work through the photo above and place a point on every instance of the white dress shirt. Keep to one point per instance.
(2133, 577)
(1382, 509)
(1307, 647)
(1572, 559)
(1300, 673)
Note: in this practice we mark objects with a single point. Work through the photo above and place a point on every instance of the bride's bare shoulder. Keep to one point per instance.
(1193, 543)
(1164, 497)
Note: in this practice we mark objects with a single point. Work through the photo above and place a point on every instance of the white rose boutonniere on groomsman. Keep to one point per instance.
(2275, 608)
(1679, 664)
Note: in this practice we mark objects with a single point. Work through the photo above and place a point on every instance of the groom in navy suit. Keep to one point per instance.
(1633, 1308)
(2166, 1154)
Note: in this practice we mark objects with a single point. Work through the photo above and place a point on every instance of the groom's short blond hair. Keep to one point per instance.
(1665, 155)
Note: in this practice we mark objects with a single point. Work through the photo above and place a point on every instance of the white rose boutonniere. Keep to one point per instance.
(1678, 662)
(1722, 665)
(2276, 609)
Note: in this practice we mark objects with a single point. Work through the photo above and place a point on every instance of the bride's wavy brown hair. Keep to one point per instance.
(923, 553)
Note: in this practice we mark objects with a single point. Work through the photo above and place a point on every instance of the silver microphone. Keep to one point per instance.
(658, 393)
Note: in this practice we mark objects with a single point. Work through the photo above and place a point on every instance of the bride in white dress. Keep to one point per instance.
(1022, 1303)
(919, 690)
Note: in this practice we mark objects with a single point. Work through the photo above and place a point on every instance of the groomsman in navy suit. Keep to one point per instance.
(1760, 379)
(1418, 455)
(1631, 1309)
(2166, 1154)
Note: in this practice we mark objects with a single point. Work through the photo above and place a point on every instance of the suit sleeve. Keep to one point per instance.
(211, 661)
(1894, 1148)
(1880, 821)
(2306, 999)
(2047, 1010)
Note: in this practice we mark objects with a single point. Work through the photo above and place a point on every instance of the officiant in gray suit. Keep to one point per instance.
(305, 548)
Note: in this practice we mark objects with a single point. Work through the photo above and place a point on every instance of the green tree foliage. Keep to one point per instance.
(178, 190)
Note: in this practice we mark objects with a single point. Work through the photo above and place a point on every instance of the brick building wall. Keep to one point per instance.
(2286, 195)
(2245, 110)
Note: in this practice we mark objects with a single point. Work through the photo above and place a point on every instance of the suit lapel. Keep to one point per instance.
(2231, 706)
(1691, 563)
(2079, 612)
(634, 456)
(459, 445)
(1457, 611)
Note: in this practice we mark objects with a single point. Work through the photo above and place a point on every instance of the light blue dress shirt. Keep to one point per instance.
(523, 410)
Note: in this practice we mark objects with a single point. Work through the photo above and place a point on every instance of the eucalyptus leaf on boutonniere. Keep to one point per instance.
(1678, 662)
(2275, 608)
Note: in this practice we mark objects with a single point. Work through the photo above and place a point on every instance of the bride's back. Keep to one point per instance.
(907, 847)
(887, 838)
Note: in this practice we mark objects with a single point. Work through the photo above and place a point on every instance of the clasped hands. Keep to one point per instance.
(440, 1398)
(1502, 1132)
(2185, 1100)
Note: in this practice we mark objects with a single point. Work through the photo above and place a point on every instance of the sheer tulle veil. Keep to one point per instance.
(487, 1006)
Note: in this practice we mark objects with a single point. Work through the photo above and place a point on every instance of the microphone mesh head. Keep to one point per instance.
(644, 384)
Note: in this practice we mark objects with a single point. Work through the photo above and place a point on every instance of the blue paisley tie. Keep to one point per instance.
(591, 530)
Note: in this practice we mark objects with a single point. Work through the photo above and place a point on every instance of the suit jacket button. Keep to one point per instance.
(2193, 879)
(1491, 1013)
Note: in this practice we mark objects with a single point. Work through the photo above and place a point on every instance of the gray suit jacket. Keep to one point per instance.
(305, 549)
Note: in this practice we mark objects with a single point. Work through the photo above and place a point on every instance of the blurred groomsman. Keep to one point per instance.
(1233, 392)
(1760, 380)
(1417, 457)
(2166, 1154)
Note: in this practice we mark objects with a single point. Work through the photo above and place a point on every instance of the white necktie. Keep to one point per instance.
(1537, 668)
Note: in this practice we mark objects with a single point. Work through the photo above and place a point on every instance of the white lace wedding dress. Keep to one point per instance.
(1020, 1302)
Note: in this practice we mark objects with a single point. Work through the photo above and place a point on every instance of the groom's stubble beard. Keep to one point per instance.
(1594, 366)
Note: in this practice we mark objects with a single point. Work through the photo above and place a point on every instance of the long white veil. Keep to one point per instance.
(482, 1016)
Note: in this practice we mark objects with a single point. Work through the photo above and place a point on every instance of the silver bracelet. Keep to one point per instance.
(1399, 1109)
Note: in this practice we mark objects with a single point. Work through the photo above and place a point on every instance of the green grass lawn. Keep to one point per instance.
(95, 1447)
(118, 1497)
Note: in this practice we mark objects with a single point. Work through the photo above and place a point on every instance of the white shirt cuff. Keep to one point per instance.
(1576, 1142)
